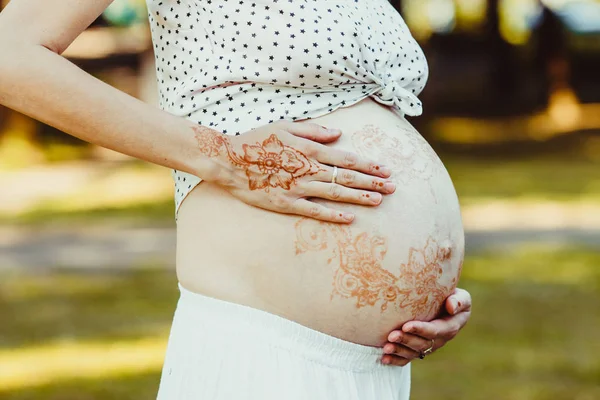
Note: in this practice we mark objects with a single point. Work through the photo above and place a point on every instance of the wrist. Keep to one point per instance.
(208, 159)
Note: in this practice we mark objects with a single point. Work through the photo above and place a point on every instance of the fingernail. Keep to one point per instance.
(389, 187)
(454, 304)
(388, 349)
(385, 360)
(333, 130)
(394, 336)
(385, 170)
(376, 198)
(348, 217)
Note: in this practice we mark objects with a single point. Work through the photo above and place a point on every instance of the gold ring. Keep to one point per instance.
(335, 172)
(427, 351)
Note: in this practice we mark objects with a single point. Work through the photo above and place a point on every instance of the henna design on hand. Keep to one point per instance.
(269, 164)
(421, 287)
(210, 143)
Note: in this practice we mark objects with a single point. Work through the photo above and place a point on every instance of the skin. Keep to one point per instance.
(270, 168)
(359, 274)
(408, 342)
(37, 81)
(408, 345)
(414, 337)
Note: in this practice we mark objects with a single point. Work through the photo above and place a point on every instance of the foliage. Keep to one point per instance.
(533, 334)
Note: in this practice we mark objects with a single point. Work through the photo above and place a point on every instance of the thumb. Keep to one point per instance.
(458, 302)
(451, 305)
(314, 132)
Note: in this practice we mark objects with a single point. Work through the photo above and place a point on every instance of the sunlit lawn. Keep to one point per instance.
(534, 333)
(568, 179)
(477, 181)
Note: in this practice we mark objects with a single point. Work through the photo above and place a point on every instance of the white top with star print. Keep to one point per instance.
(234, 65)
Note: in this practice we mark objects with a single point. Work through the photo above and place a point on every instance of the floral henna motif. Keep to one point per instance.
(272, 164)
(361, 275)
(269, 164)
(419, 286)
(408, 155)
(210, 143)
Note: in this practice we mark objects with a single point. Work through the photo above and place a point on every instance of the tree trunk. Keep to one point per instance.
(397, 5)
(501, 57)
(552, 55)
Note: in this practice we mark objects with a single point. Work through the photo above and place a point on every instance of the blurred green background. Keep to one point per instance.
(512, 107)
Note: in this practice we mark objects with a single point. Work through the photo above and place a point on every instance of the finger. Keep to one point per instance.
(394, 360)
(401, 351)
(357, 180)
(409, 341)
(317, 211)
(349, 160)
(446, 327)
(458, 302)
(333, 191)
(312, 131)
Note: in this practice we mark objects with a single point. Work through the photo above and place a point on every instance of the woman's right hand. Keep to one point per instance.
(279, 165)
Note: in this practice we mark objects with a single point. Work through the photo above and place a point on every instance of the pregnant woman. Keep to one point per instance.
(313, 263)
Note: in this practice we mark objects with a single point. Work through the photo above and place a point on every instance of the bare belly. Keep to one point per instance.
(396, 262)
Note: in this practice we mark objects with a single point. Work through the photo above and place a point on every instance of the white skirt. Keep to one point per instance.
(219, 350)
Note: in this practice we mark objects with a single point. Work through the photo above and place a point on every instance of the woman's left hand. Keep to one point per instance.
(415, 337)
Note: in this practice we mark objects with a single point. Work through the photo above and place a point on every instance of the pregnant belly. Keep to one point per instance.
(396, 262)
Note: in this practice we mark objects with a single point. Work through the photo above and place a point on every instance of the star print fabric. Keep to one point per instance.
(234, 65)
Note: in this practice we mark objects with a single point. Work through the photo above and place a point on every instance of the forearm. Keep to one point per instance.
(44, 85)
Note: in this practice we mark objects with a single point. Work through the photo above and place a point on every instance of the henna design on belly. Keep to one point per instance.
(359, 273)
(269, 164)
(407, 154)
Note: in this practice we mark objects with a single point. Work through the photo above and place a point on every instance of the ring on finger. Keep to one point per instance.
(335, 173)
(427, 351)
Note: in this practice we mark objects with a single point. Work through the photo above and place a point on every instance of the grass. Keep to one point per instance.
(158, 212)
(477, 181)
(550, 179)
(89, 192)
(73, 335)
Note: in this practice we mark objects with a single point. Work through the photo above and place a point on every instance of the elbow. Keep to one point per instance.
(14, 40)
(54, 47)
(6, 46)
(13, 44)
(8, 41)
(10, 53)
(14, 58)
(10, 49)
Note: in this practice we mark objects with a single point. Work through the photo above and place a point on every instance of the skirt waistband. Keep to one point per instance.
(240, 323)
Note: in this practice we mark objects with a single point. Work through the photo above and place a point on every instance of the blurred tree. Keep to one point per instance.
(397, 5)
(3, 117)
(126, 12)
(503, 71)
(552, 60)
(3, 110)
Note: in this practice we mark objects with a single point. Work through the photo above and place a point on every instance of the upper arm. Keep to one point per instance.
(50, 23)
